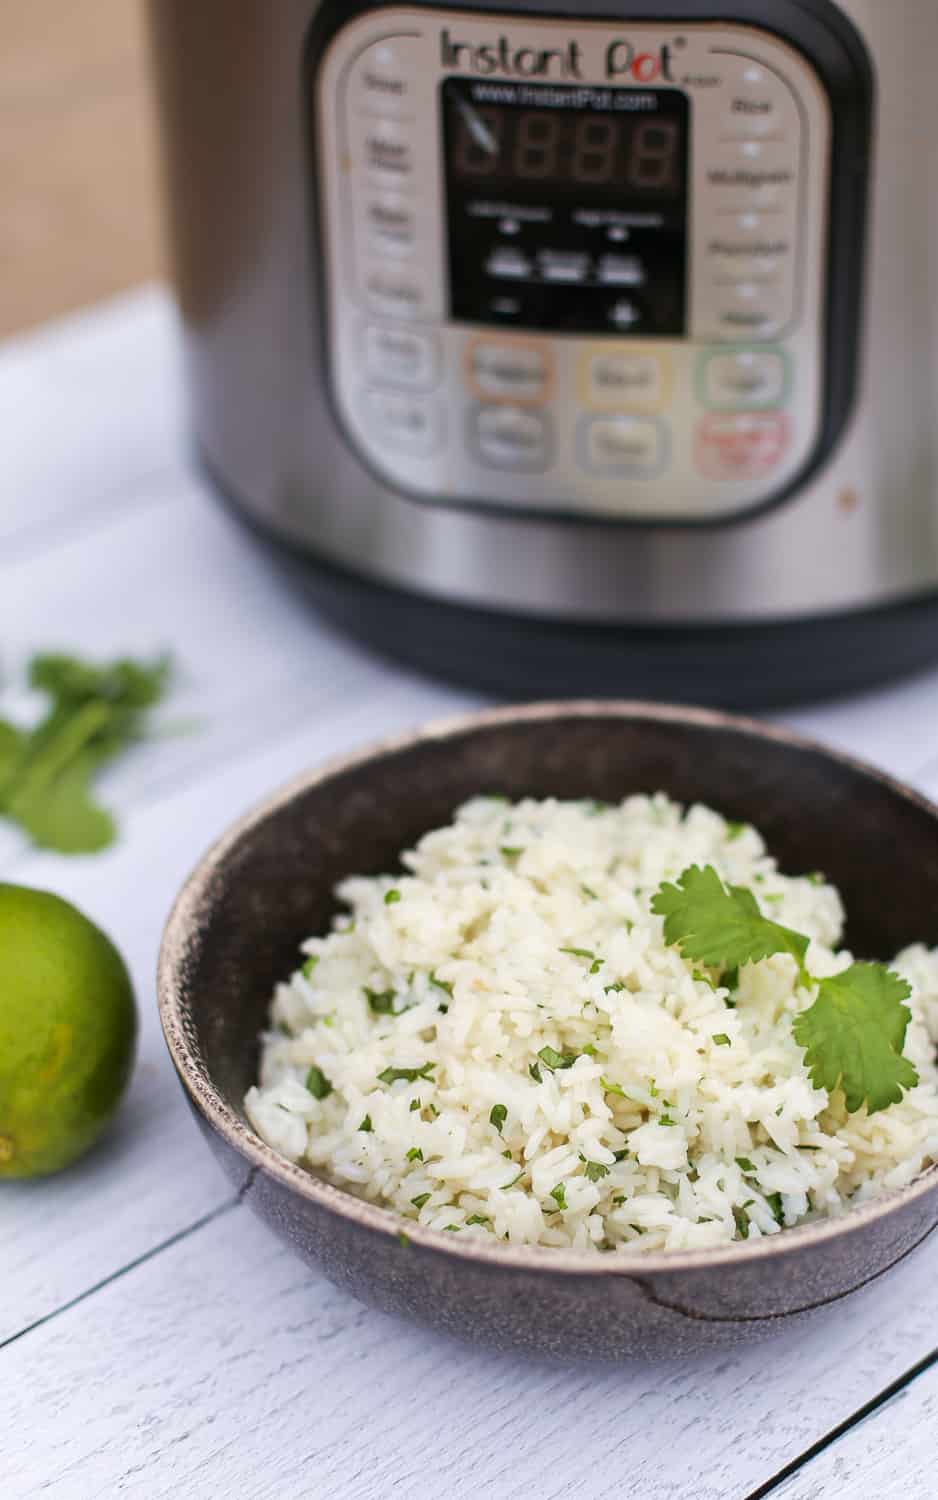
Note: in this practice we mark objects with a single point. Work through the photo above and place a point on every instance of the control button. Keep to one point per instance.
(567, 266)
(751, 185)
(627, 379)
(510, 437)
(621, 270)
(747, 378)
(751, 119)
(742, 445)
(748, 254)
(399, 356)
(634, 447)
(624, 314)
(509, 264)
(410, 423)
(382, 81)
(392, 224)
(389, 152)
(509, 370)
(757, 309)
(396, 295)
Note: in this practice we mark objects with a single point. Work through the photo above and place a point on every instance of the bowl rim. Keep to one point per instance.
(371, 1216)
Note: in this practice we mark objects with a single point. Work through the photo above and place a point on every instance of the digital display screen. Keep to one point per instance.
(620, 154)
(567, 206)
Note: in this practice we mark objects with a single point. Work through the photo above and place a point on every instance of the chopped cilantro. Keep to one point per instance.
(817, 878)
(414, 1106)
(666, 1120)
(381, 1004)
(407, 1075)
(509, 852)
(559, 1195)
(589, 893)
(451, 1228)
(744, 1164)
(507, 1155)
(729, 979)
(557, 1061)
(441, 984)
(366, 1125)
(614, 989)
(309, 966)
(535, 1072)
(595, 1170)
(415, 1154)
(735, 831)
(589, 1050)
(722, 1040)
(317, 1083)
(402, 1240)
(613, 1088)
(742, 1223)
(498, 1116)
(392, 897)
(420, 1200)
(621, 1155)
(578, 952)
(774, 1200)
(478, 1219)
(596, 965)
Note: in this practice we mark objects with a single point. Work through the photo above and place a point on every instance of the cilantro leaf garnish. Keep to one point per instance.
(854, 1034)
(498, 1116)
(722, 926)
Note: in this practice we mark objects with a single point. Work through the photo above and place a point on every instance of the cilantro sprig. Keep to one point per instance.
(722, 926)
(854, 1033)
(47, 773)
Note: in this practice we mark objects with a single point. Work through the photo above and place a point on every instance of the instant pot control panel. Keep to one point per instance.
(575, 268)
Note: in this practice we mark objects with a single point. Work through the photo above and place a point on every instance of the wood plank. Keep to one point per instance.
(890, 1455)
(896, 726)
(78, 157)
(63, 1236)
(91, 415)
(223, 1365)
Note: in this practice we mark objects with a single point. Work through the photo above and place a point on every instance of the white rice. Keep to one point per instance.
(708, 1141)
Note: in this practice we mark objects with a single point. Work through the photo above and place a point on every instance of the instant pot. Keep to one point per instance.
(573, 349)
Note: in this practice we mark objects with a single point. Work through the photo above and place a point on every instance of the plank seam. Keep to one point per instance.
(132, 1265)
(869, 1409)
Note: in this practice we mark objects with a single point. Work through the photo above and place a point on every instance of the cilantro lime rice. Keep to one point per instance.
(501, 1042)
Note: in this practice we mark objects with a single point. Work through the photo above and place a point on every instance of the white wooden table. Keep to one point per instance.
(155, 1340)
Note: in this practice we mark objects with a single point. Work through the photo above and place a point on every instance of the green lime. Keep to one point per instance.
(68, 1026)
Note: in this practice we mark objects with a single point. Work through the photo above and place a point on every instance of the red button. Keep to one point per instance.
(742, 445)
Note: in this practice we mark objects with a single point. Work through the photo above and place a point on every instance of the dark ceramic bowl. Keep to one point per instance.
(268, 884)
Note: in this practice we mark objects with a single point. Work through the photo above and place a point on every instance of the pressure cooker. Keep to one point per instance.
(573, 348)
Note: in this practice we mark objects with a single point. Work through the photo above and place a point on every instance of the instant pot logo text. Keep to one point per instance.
(624, 62)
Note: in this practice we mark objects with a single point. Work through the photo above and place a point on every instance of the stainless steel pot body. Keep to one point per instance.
(246, 193)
